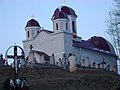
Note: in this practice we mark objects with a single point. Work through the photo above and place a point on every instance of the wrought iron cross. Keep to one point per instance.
(15, 57)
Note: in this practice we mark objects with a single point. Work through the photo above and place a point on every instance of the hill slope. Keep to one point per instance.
(59, 79)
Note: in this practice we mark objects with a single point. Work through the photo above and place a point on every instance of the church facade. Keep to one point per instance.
(63, 47)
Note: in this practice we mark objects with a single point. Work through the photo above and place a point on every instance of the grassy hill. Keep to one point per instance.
(59, 79)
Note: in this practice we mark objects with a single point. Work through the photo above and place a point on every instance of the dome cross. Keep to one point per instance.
(63, 2)
(33, 16)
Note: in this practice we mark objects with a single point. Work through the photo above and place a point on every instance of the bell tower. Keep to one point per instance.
(65, 17)
(60, 21)
(32, 29)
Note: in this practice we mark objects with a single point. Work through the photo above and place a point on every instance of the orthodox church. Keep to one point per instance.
(63, 47)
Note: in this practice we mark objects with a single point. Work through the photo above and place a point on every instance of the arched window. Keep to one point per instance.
(56, 26)
(61, 25)
(32, 33)
(66, 26)
(37, 32)
(73, 25)
(28, 34)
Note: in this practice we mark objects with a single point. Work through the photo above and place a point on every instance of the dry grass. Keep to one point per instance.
(59, 79)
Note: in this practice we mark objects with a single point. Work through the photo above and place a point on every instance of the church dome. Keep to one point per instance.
(102, 44)
(67, 10)
(32, 22)
(59, 14)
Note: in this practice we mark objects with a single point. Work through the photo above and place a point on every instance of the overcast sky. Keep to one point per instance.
(14, 15)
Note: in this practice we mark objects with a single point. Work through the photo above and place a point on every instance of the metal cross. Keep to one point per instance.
(16, 57)
(15, 54)
(33, 16)
(63, 2)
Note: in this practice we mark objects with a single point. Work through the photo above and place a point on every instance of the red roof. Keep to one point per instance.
(101, 43)
(59, 14)
(97, 44)
(32, 22)
(41, 53)
(67, 10)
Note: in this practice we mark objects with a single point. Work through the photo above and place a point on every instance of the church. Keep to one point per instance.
(63, 47)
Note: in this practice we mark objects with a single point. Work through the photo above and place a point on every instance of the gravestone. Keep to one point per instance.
(1, 60)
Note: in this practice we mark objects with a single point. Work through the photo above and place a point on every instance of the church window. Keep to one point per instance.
(73, 25)
(37, 32)
(28, 34)
(66, 26)
(32, 33)
(56, 26)
(61, 25)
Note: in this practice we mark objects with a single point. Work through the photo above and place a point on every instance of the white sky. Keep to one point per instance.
(14, 15)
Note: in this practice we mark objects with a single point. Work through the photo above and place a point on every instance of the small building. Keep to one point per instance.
(63, 47)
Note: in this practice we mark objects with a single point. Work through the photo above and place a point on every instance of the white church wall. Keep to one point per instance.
(98, 57)
(26, 45)
(57, 57)
(68, 46)
(63, 45)
(42, 42)
(52, 59)
(72, 18)
(61, 25)
(58, 42)
(76, 51)
(38, 58)
(68, 42)
(33, 31)
(41, 59)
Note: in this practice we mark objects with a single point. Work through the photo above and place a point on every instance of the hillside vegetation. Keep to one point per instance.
(59, 79)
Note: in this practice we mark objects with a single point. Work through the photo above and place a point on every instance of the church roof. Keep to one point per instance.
(47, 31)
(32, 22)
(67, 10)
(40, 53)
(59, 15)
(97, 44)
(62, 12)
(101, 43)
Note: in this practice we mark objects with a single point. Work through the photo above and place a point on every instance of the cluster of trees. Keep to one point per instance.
(113, 24)
(113, 30)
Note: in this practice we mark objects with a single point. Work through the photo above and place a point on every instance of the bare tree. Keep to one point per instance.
(113, 31)
(113, 24)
